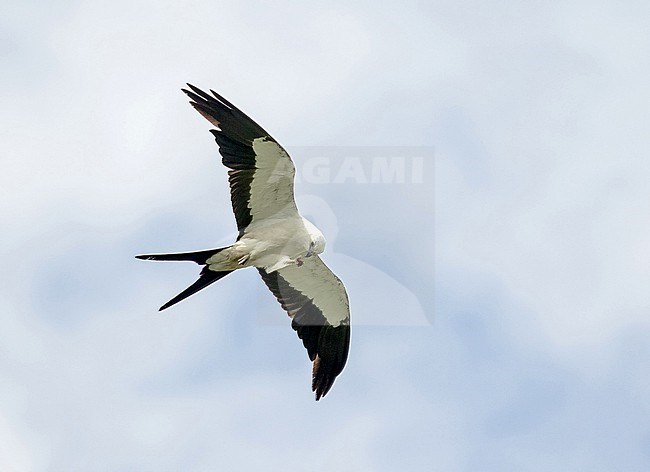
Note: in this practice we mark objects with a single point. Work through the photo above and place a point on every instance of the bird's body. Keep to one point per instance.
(273, 238)
(270, 245)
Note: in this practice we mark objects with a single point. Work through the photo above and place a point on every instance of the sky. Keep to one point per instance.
(479, 170)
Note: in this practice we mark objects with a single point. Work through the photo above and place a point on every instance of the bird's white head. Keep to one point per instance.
(317, 244)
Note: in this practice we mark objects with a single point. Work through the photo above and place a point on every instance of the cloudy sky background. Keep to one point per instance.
(501, 301)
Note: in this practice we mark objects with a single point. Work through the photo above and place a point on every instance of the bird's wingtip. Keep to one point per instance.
(194, 89)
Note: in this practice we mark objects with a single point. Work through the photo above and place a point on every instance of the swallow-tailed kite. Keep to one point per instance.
(273, 238)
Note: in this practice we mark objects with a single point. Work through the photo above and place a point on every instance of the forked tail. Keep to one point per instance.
(206, 277)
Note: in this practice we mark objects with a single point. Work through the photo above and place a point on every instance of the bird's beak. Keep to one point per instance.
(310, 252)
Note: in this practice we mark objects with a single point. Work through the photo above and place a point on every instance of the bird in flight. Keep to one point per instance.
(273, 237)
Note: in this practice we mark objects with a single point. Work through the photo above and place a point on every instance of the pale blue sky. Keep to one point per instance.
(500, 306)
